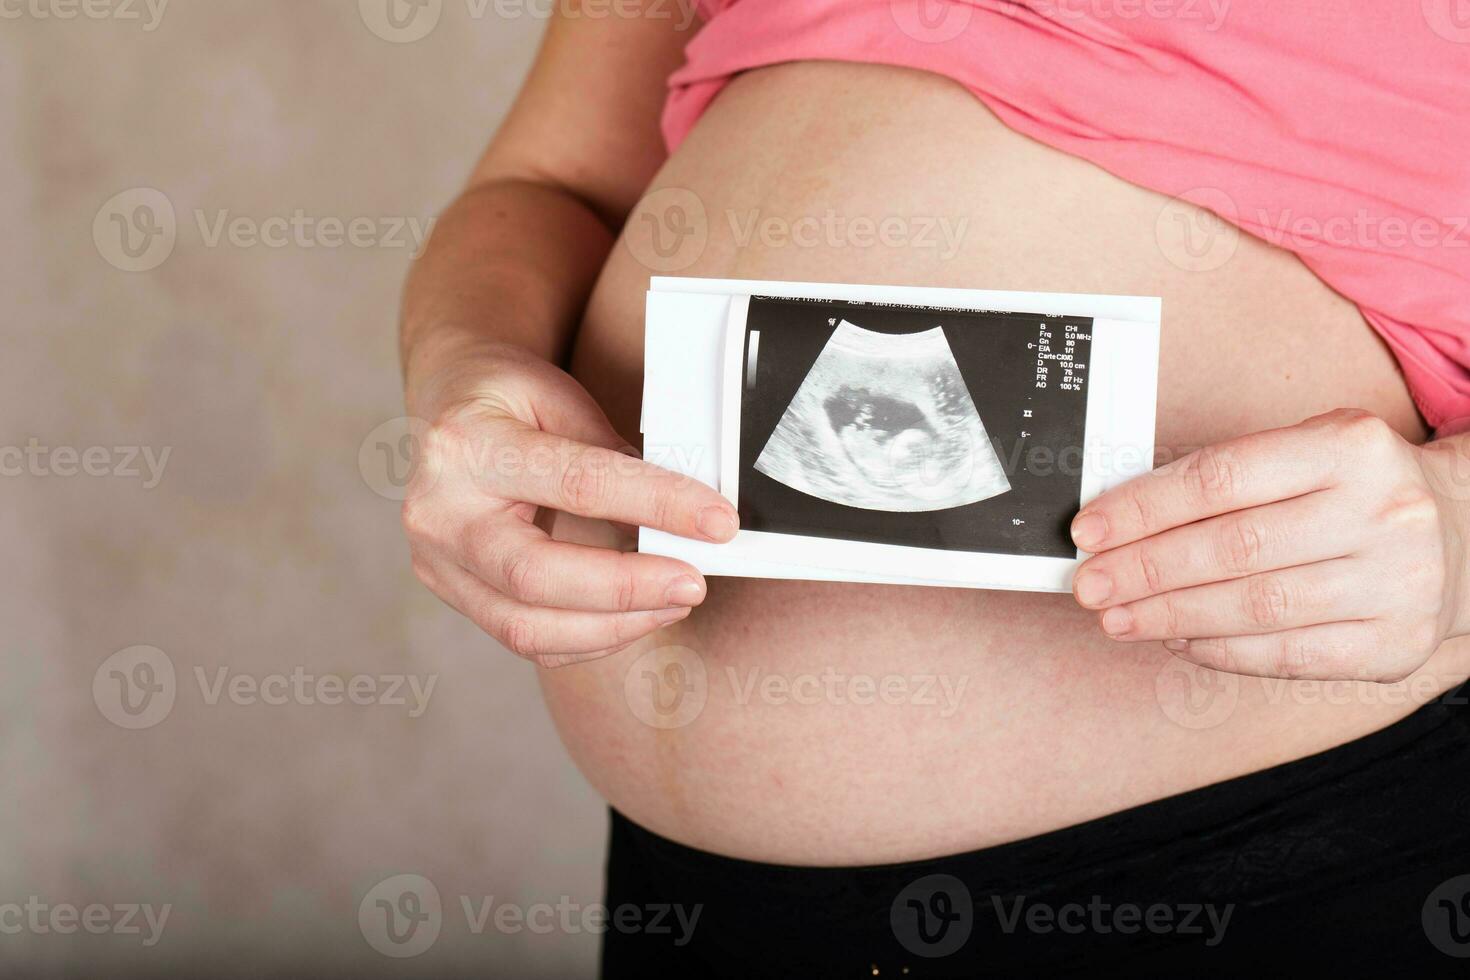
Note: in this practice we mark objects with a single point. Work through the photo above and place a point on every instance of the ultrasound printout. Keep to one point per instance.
(937, 428)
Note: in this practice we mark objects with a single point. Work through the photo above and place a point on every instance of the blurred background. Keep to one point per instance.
(232, 718)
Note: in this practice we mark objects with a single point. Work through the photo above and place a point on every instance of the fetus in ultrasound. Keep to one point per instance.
(884, 422)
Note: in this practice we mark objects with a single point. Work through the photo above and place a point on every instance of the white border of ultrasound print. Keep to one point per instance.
(689, 386)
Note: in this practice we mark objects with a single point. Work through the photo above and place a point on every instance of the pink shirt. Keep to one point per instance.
(1338, 129)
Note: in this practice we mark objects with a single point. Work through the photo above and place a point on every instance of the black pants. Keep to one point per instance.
(1351, 863)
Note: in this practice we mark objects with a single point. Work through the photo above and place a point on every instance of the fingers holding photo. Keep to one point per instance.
(1319, 550)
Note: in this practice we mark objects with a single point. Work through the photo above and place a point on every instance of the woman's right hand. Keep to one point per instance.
(510, 435)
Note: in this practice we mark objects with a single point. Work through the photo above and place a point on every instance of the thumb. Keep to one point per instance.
(572, 412)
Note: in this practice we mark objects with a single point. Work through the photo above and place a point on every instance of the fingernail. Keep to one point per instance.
(1116, 622)
(684, 591)
(667, 616)
(631, 450)
(1088, 531)
(1093, 587)
(718, 523)
(1177, 646)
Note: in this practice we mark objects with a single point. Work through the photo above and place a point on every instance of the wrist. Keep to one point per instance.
(1446, 467)
(446, 363)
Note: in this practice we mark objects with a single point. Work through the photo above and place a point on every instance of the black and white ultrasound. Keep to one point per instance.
(960, 430)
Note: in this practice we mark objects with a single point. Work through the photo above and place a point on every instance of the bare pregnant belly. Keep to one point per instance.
(845, 724)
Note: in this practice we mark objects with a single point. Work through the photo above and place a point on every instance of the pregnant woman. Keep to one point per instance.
(1241, 743)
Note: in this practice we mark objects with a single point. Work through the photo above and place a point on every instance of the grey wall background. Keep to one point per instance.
(263, 550)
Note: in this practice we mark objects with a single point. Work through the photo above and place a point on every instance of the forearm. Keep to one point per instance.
(510, 263)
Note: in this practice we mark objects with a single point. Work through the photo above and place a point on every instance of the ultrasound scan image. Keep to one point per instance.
(884, 422)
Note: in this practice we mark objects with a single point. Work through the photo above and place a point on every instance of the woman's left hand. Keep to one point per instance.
(1329, 549)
